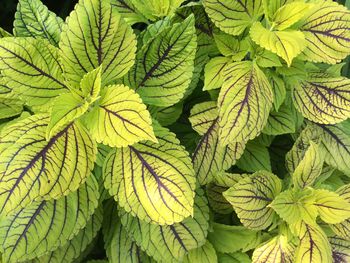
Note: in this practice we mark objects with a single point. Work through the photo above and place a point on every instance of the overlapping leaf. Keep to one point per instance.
(342, 229)
(128, 11)
(281, 121)
(154, 8)
(171, 243)
(10, 107)
(44, 226)
(32, 167)
(95, 35)
(154, 181)
(251, 196)
(244, 102)
(340, 249)
(120, 118)
(33, 19)
(289, 14)
(165, 64)
(209, 156)
(213, 72)
(203, 254)
(256, 157)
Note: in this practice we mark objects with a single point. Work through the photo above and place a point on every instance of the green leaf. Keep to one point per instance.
(213, 72)
(256, 157)
(30, 68)
(152, 181)
(237, 257)
(332, 207)
(340, 249)
(289, 14)
(229, 239)
(244, 102)
(170, 243)
(209, 156)
(90, 85)
(96, 34)
(230, 46)
(154, 8)
(309, 168)
(164, 65)
(323, 99)
(43, 226)
(10, 107)
(342, 229)
(33, 168)
(33, 19)
(281, 121)
(4, 33)
(278, 89)
(276, 250)
(166, 115)
(251, 196)
(294, 206)
(203, 254)
(314, 246)
(72, 249)
(233, 17)
(326, 31)
(287, 44)
(128, 11)
(267, 59)
(120, 118)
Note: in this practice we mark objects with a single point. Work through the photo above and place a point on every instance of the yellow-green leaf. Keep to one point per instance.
(340, 249)
(90, 85)
(120, 118)
(96, 34)
(128, 11)
(155, 8)
(203, 254)
(244, 102)
(287, 44)
(342, 229)
(281, 121)
(154, 181)
(10, 107)
(213, 72)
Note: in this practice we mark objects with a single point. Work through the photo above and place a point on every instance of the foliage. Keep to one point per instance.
(176, 131)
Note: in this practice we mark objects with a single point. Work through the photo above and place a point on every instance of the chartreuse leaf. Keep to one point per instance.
(289, 14)
(10, 107)
(154, 181)
(33, 19)
(281, 121)
(203, 254)
(120, 118)
(90, 85)
(213, 72)
(326, 31)
(166, 115)
(229, 239)
(4, 33)
(237, 257)
(128, 11)
(72, 249)
(323, 99)
(342, 229)
(251, 196)
(340, 249)
(332, 207)
(309, 168)
(244, 102)
(43, 226)
(154, 8)
(276, 250)
(278, 89)
(231, 46)
(233, 17)
(256, 157)
(32, 167)
(209, 156)
(164, 65)
(266, 59)
(314, 246)
(30, 68)
(170, 243)
(293, 206)
(95, 35)
(287, 44)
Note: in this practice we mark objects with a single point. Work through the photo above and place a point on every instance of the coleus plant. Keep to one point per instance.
(176, 131)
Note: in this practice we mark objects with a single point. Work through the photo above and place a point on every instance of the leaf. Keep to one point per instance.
(295, 206)
(256, 157)
(153, 8)
(342, 229)
(164, 65)
(120, 118)
(30, 68)
(287, 44)
(209, 156)
(289, 14)
(278, 89)
(72, 249)
(323, 99)
(276, 250)
(154, 182)
(203, 254)
(10, 107)
(216, 200)
(340, 249)
(309, 168)
(33, 19)
(90, 85)
(166, 115)
(128, 11)
(44, 226)
(233, 17)
(237, 257)
(229, 239)
(213, 72)
(326, 32)
(332, 207)
(281, 121)
(314, 246)
(244, 102)
(250, 197)
(267, 59)
(230, 46)
(170, 243)
(4, 33)
(95, 35)
(32, 168)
